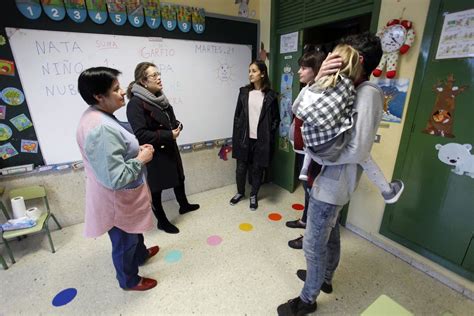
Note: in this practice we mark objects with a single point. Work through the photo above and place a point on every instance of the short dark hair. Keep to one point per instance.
(313, 56)
(266, 80)
(368, 45)
(95, 81)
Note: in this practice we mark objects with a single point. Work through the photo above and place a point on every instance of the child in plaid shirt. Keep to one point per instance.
(327, 111)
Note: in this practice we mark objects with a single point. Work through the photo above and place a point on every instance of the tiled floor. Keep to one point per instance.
(249, 273)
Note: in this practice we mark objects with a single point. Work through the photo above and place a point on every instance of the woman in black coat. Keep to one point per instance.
(256, 120)
(153, 122)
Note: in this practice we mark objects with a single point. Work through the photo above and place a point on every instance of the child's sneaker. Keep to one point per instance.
(393, 195)
(303, 177)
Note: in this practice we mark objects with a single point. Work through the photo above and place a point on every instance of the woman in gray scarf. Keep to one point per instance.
(153, 122)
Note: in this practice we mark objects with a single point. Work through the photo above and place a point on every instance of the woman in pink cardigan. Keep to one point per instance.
(117, 196)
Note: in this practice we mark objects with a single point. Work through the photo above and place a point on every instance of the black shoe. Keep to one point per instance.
(297, 307)
(188, 208)
(236, 199)
(325, 287)
(296, 224)
(296, 243)
(168, 228)
(253, 203)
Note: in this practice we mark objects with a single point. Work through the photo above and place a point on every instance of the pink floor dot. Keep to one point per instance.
(298, 207)
(214, 240)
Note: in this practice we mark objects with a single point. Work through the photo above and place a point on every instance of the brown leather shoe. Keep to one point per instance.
(296, 243)
(144, 285)
(152, 251)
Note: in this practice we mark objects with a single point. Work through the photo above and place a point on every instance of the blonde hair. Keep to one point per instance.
(351, 66)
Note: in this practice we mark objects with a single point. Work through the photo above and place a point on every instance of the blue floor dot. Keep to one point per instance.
(173, 256)
(64, 297)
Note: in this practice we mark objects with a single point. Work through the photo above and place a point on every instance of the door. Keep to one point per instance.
(435, 215)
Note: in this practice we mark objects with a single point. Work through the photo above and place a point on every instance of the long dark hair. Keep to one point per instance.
(313, 56)
(140, 73)
(266, 86)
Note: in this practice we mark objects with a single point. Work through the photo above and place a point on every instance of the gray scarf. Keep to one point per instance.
(144, 94)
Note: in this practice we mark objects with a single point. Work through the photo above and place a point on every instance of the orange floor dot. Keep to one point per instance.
(298, 207)
(274, 216)
(246, 227)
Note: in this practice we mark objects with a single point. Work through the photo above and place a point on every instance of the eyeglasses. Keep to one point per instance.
(154, 75)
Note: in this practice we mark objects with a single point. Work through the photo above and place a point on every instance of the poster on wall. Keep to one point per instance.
(76, 10)
(117, 11)
(152, 13)
(286, 115)
(394, 97)
(289, 43)
(457, 36)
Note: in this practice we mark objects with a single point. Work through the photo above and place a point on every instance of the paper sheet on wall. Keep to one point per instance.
(289, 43)
(457, 35)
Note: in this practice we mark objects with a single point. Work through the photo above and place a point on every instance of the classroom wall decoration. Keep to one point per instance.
(396, 38)
(136, 12)
(459, 156)
(394, 93)
(286, 114)
(441, 120)
(457, 36)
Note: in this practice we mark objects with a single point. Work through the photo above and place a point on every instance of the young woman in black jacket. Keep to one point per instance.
(153, 122)
(256, 120)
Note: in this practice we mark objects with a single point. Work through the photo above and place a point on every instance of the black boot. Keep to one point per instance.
(186, 208)
(163, 222)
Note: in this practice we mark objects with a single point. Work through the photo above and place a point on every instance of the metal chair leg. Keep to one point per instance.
(55, 220)
(3, 262)
(10, 253)
(50, 240)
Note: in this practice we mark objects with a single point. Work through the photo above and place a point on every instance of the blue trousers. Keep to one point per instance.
(321, 246)
(128, 252)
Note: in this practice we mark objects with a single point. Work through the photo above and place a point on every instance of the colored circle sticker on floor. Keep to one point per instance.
(64, 297)
(173, 256)
(298, 207)
(274, 217)
(246, 227)
(214, 240)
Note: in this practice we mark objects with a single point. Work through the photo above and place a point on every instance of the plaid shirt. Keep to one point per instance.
(327, 114)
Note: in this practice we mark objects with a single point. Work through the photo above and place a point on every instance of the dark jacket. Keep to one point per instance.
(267, 126)
(154, 126)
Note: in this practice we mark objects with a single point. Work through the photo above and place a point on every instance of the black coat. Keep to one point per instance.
(267, 126)
(154, 126)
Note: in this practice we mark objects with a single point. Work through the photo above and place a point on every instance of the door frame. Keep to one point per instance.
(420, 72)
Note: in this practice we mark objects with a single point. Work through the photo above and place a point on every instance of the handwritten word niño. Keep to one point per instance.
(50, 47)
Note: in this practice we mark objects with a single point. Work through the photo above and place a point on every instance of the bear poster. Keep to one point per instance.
(459, 156)
(394, 95)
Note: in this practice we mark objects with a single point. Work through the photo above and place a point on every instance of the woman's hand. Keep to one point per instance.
(330, 65)
(176, 132)
(145, 154)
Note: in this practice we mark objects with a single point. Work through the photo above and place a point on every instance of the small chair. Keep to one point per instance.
(29, 193)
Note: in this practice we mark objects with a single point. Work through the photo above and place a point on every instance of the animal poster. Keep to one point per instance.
(29, 146)
(457, 36)
(441, 119)
(394, 95)
(7, 150)
(286, 115)
(459, 156)
(21, 122)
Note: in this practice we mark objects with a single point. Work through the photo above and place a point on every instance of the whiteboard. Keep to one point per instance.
(200, 79)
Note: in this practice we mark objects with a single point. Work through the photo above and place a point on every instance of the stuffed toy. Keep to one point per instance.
(396, 37)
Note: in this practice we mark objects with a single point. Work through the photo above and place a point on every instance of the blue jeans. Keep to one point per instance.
(128, 252)
(321, 246)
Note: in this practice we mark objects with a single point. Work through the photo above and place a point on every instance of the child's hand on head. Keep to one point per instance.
(330, 66)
